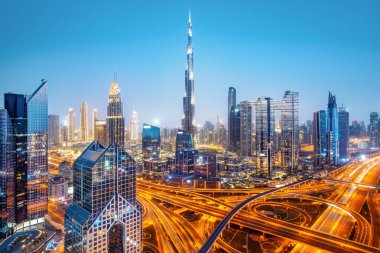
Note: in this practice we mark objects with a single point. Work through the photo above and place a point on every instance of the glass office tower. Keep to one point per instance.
(231, 102)
(245, 128)
(151, 141)
(105, 215)
(115, 118)
(374, 130)
(234, 123)
(332, 131)
(289, 125)
(320, 138)
(7, 166)
(183, 140)
(29, 119)
(344, 134)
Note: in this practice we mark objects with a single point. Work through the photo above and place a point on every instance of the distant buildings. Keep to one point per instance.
(344, 134)
(105, 215)
(58, 188)
(71, 125)
(151, 141)
(101, 131)
(24, 159)
(188, 118)
(115, 118)
(83, 124)
(95, 117)
(54, 129)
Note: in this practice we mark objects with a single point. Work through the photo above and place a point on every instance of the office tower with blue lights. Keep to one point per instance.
(289, 125)
(332, 131)
(231, 103)
(7, 179)
(265, 126)
(115, 118)
(373, 130)
(234, 132)
(151, 141)
(320, 138)
(188, 118)
(28, 116)
(184, 154)
(344, 134)
(245, 128)
(105, 215)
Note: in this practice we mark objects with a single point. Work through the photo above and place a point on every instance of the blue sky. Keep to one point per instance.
(261, 47)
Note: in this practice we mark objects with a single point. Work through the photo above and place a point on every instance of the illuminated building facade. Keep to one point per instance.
(7, 168)
(234, 133)
(320, 137)
(71, 125)
(183, 140)
(332, 131)
(151, 141)
(115, 118)
(29, 119)
(344, 134)
(205, 166)
(83, 124)
(374, 130)
(53, 130)
(105, 215)
(289, 125)
(188, 118)
(265, 124)
(231, 103)
(184, 154)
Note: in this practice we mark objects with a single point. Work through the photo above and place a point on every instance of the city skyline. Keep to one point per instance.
(321, 60)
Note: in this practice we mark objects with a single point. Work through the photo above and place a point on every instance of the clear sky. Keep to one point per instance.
(261, 47)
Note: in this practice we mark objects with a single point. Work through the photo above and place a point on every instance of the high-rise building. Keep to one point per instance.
(231, 103)
(29, 119)
(134, 129)
(53, 130)
(7, 170)
(183, 140)
(105, 215)
(220, 132)
(188, 118)
(151, 141)
(373, 129)
(83, 121)
(245, 128)
(344, 134)
(115, 118)
(289, 125)
(332, 131)
(205, 166)
(95, 117)
(101, 131)
(265, 125)
(71, 125)
(234, 131)
(320, 137)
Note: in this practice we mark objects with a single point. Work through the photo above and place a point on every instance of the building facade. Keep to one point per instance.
(151, 141)
(234, 132)
(231, 103)
(95, 117)
(101, 131)
(83, 124)
(344, 134)
(71, 125)
(105, 215)
(320, 138)
(332, 131)
(373, 130)
(245, 128)
(54, 129)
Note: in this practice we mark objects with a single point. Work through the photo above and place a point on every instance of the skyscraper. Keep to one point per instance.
(231, 103)
(289, 125)
(374, 130)
(105, 215)
(320, 137)
(245, 128)
(101, 131)
(151, 141)
(332, 131)
(95, 117)
(234, 128)
(29, 119)
(71, 125)
(344, 134)
(134, 128)
(53, 130)
(115, 118)
(265, 125)
(188, 118)
(7, 170)
(84, 121)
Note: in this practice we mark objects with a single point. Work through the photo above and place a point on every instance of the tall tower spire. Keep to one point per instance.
(188, 119)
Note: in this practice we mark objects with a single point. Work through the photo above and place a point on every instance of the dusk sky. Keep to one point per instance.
(262, 48)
